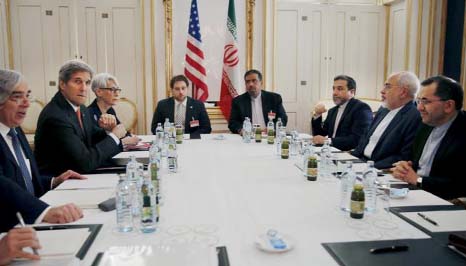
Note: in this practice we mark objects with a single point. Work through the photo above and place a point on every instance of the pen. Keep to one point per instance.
(21, 221)
(427, 219)
(388, 249)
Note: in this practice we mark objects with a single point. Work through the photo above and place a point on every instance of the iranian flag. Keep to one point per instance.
(230, 73)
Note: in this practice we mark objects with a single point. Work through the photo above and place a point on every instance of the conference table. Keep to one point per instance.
(229, 193)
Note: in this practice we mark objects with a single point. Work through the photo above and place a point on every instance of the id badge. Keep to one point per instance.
(194, 123)
(271, 115)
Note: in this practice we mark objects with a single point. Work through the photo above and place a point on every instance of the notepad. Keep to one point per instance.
(92, 182)
(53, 241)
(447, 220)
(85, 199)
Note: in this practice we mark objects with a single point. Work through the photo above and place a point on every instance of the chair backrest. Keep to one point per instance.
(30, 121)
(127, 113)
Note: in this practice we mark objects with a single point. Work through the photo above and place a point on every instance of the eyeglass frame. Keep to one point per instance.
(19, 97)
(112, 89)
(425, 101)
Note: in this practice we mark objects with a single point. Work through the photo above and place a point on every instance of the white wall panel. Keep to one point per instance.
(3, 37)
(397, 39)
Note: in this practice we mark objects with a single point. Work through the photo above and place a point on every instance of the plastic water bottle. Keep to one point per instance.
(172, 156)
(348, 179)
(159, 131)
(370, 190)
(325, 169)
(247, 130)
(148, 209)
(123, 206)
(308, 151)
(275, 240)
(278, 140)
(154, 167)
(270, 131)
(166, 125)
(279, 125)
(133, 179)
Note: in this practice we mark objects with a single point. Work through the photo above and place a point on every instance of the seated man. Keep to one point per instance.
(347, 121)
(255, 103)
(440, 144)
(14, 199)
(17, 161)
(391, 134)
(182, 109)
(66, 137)
(107, 92)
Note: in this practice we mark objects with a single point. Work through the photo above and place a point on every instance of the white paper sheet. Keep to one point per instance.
(85, 199)
(343, 156)
(53, 241)
(92, 182)
(446, 220)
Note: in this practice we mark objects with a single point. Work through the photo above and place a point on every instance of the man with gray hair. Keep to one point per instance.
(391, 134)
(66, 137)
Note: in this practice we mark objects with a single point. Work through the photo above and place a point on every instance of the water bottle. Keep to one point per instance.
(370, 190)
(123, 206)
(154, 167)
(247, 130)
(159, 131)
(348, 179)
(279, 125)
(166, 125)
(133, 179)
(308, 151)
(166, 136)
(172, 156)
(294, 143)
(270, 131)
(275, 240)
(148, 209)
(278, 140)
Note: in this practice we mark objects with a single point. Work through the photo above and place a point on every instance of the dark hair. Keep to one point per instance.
(253, 71)
(179, 78)
(350, 82)
(447, 89)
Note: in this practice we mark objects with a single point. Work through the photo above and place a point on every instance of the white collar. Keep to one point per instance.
(75, 108)
(184, 102)
(4, 130)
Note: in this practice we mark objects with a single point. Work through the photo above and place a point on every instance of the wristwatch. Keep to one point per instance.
(419, 182)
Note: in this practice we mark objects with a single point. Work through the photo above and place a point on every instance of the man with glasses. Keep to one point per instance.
(107, 92)
(440, 144)
(347, 121)
(20, 180)
(257, 104)
(66, 137)
(391, 133)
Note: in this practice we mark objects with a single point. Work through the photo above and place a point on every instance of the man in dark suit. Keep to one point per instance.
(440, 144)
(66, 137)
(13, 199)
(347, 121)
(182, 110)
(18, 162)
(255, 103)
(392, 131)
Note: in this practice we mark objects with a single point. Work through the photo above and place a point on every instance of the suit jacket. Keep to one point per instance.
(61, 144)
(446, 178)
(241, 108)
(354, 122)
(10, 169)
(195, 110)
(14, 199)
(396, 141)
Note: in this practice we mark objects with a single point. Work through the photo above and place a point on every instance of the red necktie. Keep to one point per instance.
(78, 114)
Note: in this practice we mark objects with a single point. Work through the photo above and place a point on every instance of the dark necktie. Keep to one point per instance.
(22, 164)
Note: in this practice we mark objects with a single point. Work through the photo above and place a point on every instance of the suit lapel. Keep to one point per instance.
(418, 147)
(7, 151)
(265, 107)
(247, 105)
(189, 113)
(447, 140)
(171, 109)
(379, 117)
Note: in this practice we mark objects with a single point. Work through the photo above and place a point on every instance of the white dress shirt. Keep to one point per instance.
(4, 133)
(256, 108)
(431, 147)
(341, 109)
(379, 130)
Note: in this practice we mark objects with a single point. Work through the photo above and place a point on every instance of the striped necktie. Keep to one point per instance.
(22, 163)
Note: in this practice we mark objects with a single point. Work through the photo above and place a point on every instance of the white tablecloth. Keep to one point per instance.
(244, 189)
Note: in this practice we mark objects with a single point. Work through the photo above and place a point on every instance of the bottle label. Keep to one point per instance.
(357, 207)
(285, 152)
(312, 172)
(146, 215)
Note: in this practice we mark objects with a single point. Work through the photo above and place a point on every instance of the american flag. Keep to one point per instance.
(194, 67)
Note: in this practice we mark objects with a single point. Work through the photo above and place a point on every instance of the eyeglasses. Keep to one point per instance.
(425, 101)
(20, 97)
(388, 86)
(113, 89)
